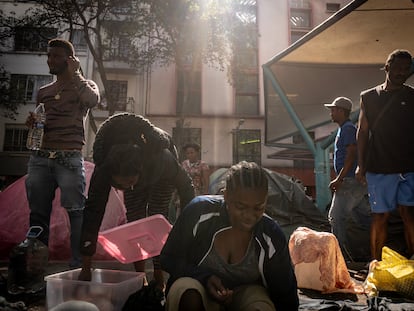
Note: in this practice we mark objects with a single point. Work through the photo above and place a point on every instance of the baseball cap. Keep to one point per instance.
(341, 102)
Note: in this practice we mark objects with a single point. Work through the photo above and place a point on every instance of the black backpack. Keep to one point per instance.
(148, 298)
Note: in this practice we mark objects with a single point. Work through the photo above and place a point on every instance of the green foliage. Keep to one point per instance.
(177, 31)
(7, 23)
(160, 32)
(8, 108)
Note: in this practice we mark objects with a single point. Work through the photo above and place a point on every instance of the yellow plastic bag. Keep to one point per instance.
(393, 273)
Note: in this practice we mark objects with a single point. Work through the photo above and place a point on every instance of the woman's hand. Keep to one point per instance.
(217, 291)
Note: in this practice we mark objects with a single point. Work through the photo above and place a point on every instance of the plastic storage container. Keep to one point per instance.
(137, 240)
(108, 290)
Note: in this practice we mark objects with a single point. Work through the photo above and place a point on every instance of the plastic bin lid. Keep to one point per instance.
(137, 240)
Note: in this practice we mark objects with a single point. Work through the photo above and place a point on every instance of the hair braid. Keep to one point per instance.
(246, 175)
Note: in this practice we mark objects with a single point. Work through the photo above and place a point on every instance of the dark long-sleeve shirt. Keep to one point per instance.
(160, 163)
(193, 234)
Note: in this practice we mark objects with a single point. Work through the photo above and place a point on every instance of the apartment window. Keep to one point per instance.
(185, 135)
(246, 56)
(247, 146)
(300, 19)
(300, 24)
(247, 96)
(245, 61)
(78, 40)
(188, 90)
(119, 47)
(123, 7)
(15, 138)
(299, 4)
(24, 88)
(332, 7)
(118, 42)
(247, 13)
(33, 39)
(117, 93)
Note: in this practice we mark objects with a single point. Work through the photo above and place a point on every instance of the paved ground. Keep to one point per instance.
(38, 302)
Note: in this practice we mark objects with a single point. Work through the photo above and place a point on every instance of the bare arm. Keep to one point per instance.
(362, 143)
(350, 158)
(88, 90)
(86, 273)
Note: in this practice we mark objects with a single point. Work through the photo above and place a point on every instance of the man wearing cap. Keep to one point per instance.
(385, 140)
(349, 194)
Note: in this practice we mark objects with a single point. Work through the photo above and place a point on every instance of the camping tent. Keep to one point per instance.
(287, 202)
(14, 219)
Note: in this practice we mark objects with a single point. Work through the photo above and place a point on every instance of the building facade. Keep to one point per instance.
(201, 106)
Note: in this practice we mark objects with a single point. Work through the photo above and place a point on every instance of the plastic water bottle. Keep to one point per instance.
(35, 136)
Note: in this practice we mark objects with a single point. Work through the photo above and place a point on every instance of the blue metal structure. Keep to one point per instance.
(341, 57)
(320, 150)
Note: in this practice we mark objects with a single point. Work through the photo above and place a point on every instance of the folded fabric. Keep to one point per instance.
(319, 263)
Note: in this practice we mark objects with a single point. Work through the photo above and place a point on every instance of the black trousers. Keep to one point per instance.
(141, 203)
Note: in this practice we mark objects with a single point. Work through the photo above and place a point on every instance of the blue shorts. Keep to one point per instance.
(387, 191)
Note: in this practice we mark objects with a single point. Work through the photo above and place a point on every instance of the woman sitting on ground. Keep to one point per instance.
(224, 253)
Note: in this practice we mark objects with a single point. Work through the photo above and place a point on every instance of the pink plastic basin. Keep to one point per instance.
(137, 240)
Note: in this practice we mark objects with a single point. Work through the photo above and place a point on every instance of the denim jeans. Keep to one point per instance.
(44, 177)
(350, 218)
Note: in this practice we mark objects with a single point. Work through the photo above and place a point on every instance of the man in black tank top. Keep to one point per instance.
(385, 141)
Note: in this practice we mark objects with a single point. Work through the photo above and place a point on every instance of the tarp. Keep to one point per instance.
(14, 219)
(287, 202)
(341, 57)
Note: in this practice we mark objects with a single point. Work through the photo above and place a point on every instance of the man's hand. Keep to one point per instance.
(86, 272)
(85, 275)
(335, 184)
(360, 175)
(31, 118)
(217, 291)
(73, 64)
